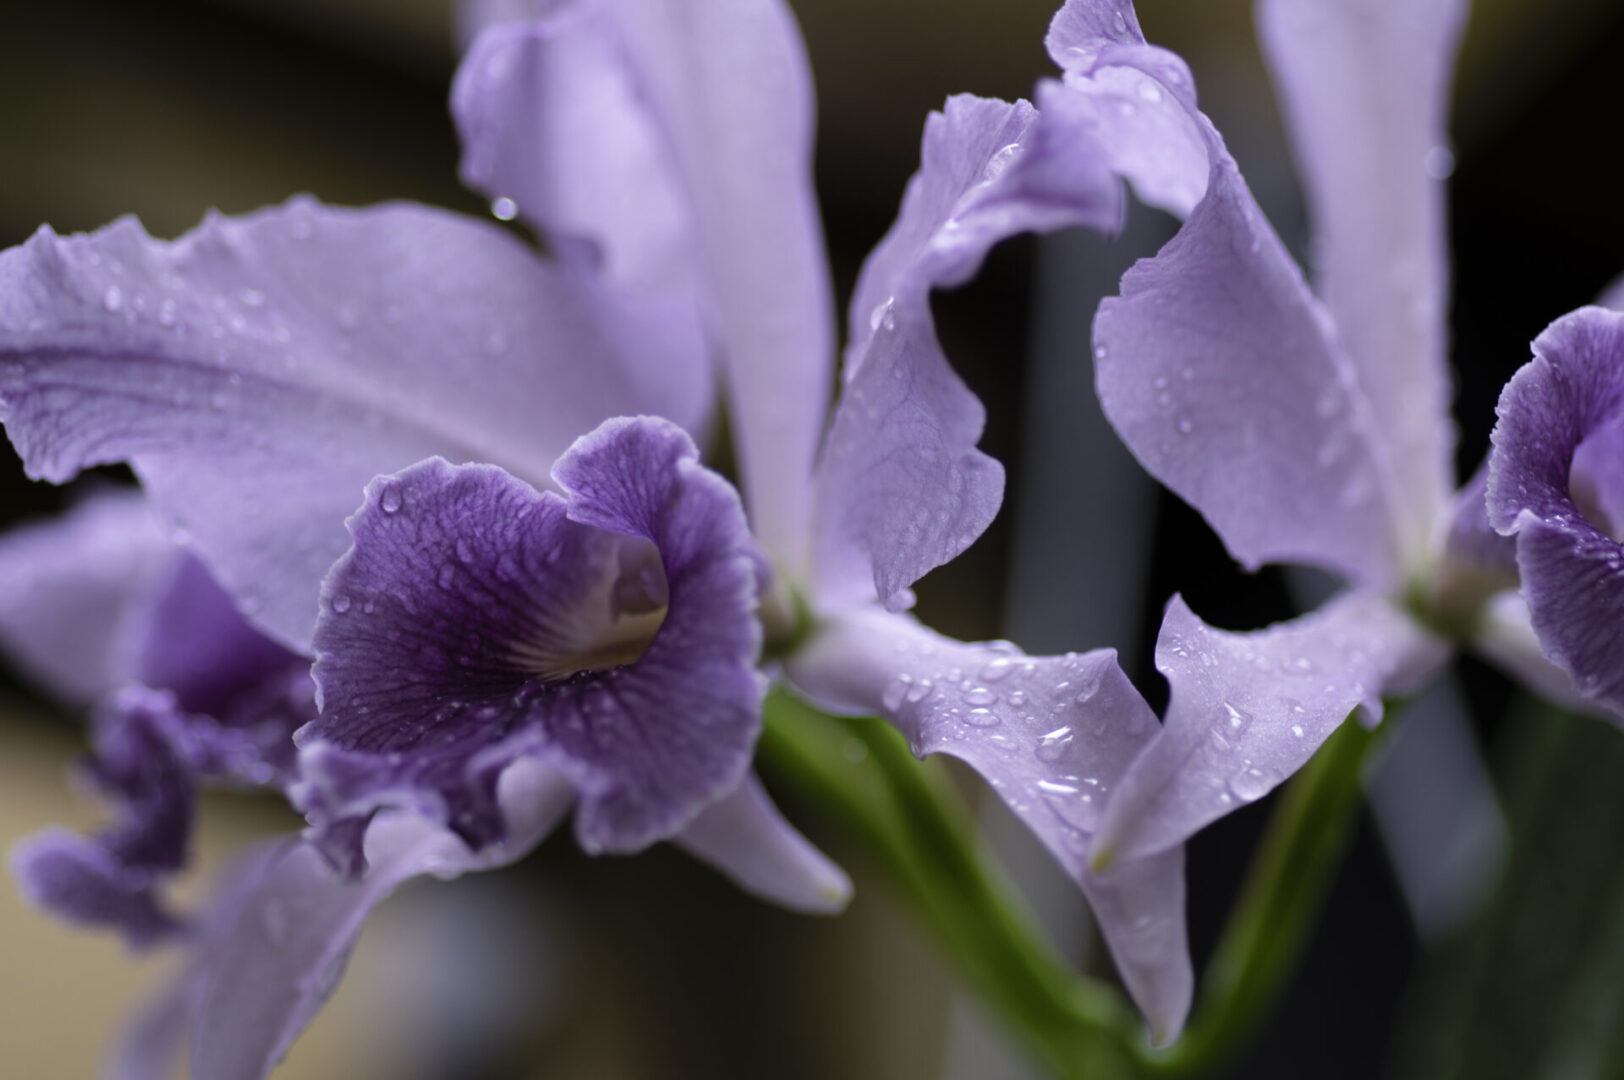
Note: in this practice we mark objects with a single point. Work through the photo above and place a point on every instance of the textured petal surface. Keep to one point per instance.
(259, 371)
(1218, 369)
(1365, 89)
(67, 588)
(1572, 569)
(745, 837)
(1249, 709)
(1053, 735)
(676, 136)
(465, 630)
(901, 487)
(281, 949)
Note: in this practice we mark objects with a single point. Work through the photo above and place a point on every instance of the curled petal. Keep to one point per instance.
(1553, 483)
(1053, 736)
(1374, 150)
(259, 371)
(1249, 709)
(476, 622)
(901, 487)
(745, 837)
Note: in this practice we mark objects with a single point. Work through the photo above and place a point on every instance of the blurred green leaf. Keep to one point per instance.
(1535, 989)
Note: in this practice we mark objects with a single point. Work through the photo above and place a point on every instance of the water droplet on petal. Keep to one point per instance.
(1249, 784)
(341, 603)
(389, 501)
(979, 695)
(504, 208)
(113, 298)
(981, 718)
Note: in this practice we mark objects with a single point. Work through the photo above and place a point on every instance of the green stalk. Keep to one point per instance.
(1278, 907)
(913, 825)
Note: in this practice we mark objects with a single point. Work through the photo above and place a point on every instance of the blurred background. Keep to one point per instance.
(654, 967)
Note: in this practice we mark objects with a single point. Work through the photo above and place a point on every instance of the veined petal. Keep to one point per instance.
(67, 588)
(1249, 709)
(280, 950)
(1364, 86)
(259, 371)
(901, 487)
(1053, 736)
(745, 837)
(1548, 489)
(477, 621)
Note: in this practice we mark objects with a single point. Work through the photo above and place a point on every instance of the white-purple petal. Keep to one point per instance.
(1545, 493)
(745, 837)
(1053, 736)
(477, 621)
(1364, 86)
(901, 487)
(257, 372)
(1249, 709)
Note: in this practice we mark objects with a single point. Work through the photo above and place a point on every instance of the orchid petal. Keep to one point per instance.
(901, 487)
(67, 588)
(1217, 368)
(275, 962)
(1472, 541)
(1365, 88)
(745, 837)
(710, 102)
(1054, 737)
(1505, 637)
(1541, 491)
(258, 372)
(477, 621)
(1249, 709)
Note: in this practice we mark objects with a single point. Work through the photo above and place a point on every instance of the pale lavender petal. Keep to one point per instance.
(257, 372)
(745, 837)
(1365, 89)
(150, 1045)
(1218, 369)
(67, 587)
(1612, 297)
(1081, 29)
(1572, 568)
(1249, 709)
(476, 622)
(901, 487)
(552, 121)
(708, 105)
(274, 962)
(1053, 736)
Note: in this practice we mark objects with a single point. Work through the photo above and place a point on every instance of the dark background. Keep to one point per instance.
(653, 967)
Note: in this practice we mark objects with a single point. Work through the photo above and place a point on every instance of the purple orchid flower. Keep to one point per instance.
(1304, 430)
(1553, 485)
(544, 599)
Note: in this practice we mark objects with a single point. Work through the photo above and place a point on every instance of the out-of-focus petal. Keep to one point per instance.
(901, 487)
(67, 587)
(1365, 89)
(1572, 569)
(1053, 736)
(745, 837)
(1613, 296)
(281, 950)
(259, 371)
(476, 622)
(552, 119)
(1249, 709)
(1081, 29)
(1218, 369)
(1471, 540)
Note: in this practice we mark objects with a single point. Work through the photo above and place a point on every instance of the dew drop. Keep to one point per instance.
(113, 298)
(504, 208)
(1185, 426)
(981, 718)
(1052, 745)
(1249, 784)
(919, 691)
(389, 501)
(998, 669)
(896, 693)
(1439, 163)
(341, 603)
(979, 695)
(883, 316)
(251, 297)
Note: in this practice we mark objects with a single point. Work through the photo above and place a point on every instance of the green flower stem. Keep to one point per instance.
(1278, 905)
(911, 823)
